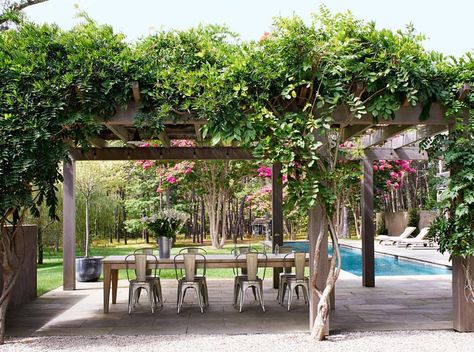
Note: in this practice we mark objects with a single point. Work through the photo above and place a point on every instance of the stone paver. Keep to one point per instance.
(396, 303)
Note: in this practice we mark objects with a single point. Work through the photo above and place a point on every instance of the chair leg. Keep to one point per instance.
(242, 297)
(150, 298)
(236, 293)
(254, 293)
(297, 293)
(130, 293)
(283, 292)
(260, 297)
(182, 293)
(305, 293)
(290, 296)
(199, 297)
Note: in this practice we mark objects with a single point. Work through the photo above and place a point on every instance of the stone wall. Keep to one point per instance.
(426, 218)
(396, 222)
(25, 287)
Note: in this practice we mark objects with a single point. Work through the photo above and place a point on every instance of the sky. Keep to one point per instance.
(447, 24)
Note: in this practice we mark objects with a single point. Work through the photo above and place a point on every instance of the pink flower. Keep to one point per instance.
(376, 168)
(147, 164)
(159, 190)
(388, 183)
(188, 170)
(396, 185)
(171, 179)
(381, 167)
(394, 174)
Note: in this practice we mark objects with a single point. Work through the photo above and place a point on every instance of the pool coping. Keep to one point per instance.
(397, 256)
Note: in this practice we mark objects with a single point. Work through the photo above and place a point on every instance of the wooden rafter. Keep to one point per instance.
(120, 132)
(354, 131)
(380, 135)
(98, 142)
(160, 153)
(414, 136)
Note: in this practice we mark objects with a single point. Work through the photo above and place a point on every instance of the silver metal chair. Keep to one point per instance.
(286, 272)
(298, 280)
(243, 271)
(150, 275)
(190, 280)
(251, 279)
(151, 284)
(202, 251)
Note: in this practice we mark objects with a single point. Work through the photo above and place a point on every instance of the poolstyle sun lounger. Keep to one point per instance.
(383, 239)
(418, 240)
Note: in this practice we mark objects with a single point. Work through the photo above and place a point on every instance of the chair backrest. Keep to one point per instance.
(196, 250)
(251, 261)
(240, 250)
(144, 250)
(300, 261)
(190, 266)
(252, 265)
(423, 233)
(407, 232)
(141, 265)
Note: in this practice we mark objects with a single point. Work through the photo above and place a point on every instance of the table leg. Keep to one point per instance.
(106, 287)
(276, 277)
(114, 285)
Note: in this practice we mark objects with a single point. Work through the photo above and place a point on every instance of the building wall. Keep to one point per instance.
(25, 287)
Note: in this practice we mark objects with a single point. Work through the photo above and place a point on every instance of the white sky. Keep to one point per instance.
(447, 24)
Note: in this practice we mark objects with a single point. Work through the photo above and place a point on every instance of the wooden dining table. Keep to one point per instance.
(114, 263)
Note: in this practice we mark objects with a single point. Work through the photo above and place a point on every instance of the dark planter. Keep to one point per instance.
(164, 246)
(88, 269)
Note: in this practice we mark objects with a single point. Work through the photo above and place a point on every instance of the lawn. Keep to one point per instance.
(50, 273)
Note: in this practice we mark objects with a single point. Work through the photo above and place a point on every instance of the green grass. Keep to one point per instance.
(50, 273)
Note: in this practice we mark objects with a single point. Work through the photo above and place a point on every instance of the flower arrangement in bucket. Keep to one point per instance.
(165, 225)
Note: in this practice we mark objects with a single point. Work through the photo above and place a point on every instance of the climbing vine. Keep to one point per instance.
(276, 96)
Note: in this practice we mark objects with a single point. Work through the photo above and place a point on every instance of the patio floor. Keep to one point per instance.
(397, 303)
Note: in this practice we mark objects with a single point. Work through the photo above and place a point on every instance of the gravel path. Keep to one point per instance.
(396, 341)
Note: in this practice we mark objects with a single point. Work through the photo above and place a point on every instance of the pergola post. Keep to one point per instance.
(277, 215)
(368, 228)
(317, 226)
(69, 226)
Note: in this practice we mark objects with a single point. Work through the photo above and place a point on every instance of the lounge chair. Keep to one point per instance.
(418, 240)
(383, 239)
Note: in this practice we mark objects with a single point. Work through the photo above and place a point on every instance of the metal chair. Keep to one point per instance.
(243, 271)
(202, 251)
(190, 279)
(151, 284)
(298, 280)
(286, 272)
(251, 279)
(149, 272)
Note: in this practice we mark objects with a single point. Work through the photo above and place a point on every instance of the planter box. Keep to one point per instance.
(25, 286)
(463, 312)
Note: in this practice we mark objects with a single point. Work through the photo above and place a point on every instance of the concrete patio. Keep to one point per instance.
(396, 303)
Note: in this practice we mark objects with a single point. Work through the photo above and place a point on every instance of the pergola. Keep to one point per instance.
(395, 139)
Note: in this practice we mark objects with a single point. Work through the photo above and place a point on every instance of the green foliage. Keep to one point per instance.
(414, 220)
(276, 96)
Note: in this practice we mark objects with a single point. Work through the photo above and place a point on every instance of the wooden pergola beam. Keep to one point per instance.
(98, 142)
(406, 115)
(354, 131)
(381, 135)
(407, 153)
(160, 153)
(120, 132)
(414, 136)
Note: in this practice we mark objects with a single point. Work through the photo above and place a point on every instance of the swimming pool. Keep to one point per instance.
(385, 265)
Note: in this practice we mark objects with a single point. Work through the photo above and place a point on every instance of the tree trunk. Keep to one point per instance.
(86, 251)
(324, 305)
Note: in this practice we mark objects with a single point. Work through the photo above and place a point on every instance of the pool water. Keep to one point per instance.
(385, 265)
